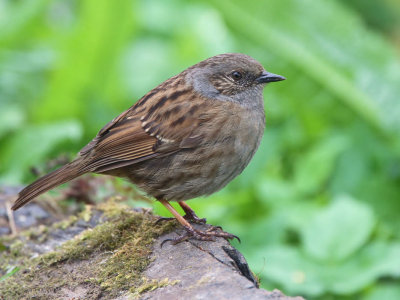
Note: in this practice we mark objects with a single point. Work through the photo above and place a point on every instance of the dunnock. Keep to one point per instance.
(187, 137)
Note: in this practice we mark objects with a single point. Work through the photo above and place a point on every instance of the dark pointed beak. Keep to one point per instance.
(269, 77)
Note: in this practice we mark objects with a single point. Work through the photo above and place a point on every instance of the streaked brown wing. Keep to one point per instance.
(122, 145)
(160, 123)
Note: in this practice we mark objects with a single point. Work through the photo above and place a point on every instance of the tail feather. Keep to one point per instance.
(47, 182)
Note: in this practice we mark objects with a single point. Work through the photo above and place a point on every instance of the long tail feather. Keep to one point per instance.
(47, 182)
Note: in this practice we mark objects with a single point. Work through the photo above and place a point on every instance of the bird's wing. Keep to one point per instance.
(162, 122)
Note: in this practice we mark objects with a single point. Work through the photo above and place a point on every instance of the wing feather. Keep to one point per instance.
(162, 122)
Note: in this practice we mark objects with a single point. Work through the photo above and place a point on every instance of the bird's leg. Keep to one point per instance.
(191, 232)
(190, 215)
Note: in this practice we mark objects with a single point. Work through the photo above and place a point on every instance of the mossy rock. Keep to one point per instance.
(111, 247)
(113, 252)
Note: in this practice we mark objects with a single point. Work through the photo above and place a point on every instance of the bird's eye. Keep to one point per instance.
(236, 75)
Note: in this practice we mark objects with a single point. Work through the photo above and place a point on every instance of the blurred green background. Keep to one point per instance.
(318, 209)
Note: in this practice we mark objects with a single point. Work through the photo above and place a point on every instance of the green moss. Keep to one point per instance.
(113, 207)
(150, 285)
(15, 254)
(86, 214)
(134, 242)
(66, 223)
(110, 257)
(15, 248)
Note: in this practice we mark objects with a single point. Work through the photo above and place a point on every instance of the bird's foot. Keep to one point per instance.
(208, 235)
(193, 218)
(189, 216)
(192, 233)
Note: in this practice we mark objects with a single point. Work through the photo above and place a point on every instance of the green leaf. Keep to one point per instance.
(387, 291)
(289, 268)
(11, 271)
(20, 16)
(11, 117)
(373, 261)
(339, 230)
(297, 273)
(314, 167)
(276, 192)
(87, 60)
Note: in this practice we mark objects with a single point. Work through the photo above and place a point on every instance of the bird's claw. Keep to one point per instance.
(188, 217)
(208, 235)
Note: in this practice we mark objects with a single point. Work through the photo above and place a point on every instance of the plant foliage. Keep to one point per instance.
(318, 207)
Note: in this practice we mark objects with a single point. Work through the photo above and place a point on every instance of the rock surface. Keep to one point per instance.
(70, 261)
(204, 270)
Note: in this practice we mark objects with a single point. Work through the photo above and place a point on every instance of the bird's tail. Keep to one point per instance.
(47, 182)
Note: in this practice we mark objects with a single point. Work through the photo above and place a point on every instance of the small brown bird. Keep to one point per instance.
(187, 137)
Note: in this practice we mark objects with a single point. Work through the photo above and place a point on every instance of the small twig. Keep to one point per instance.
(11, 220)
